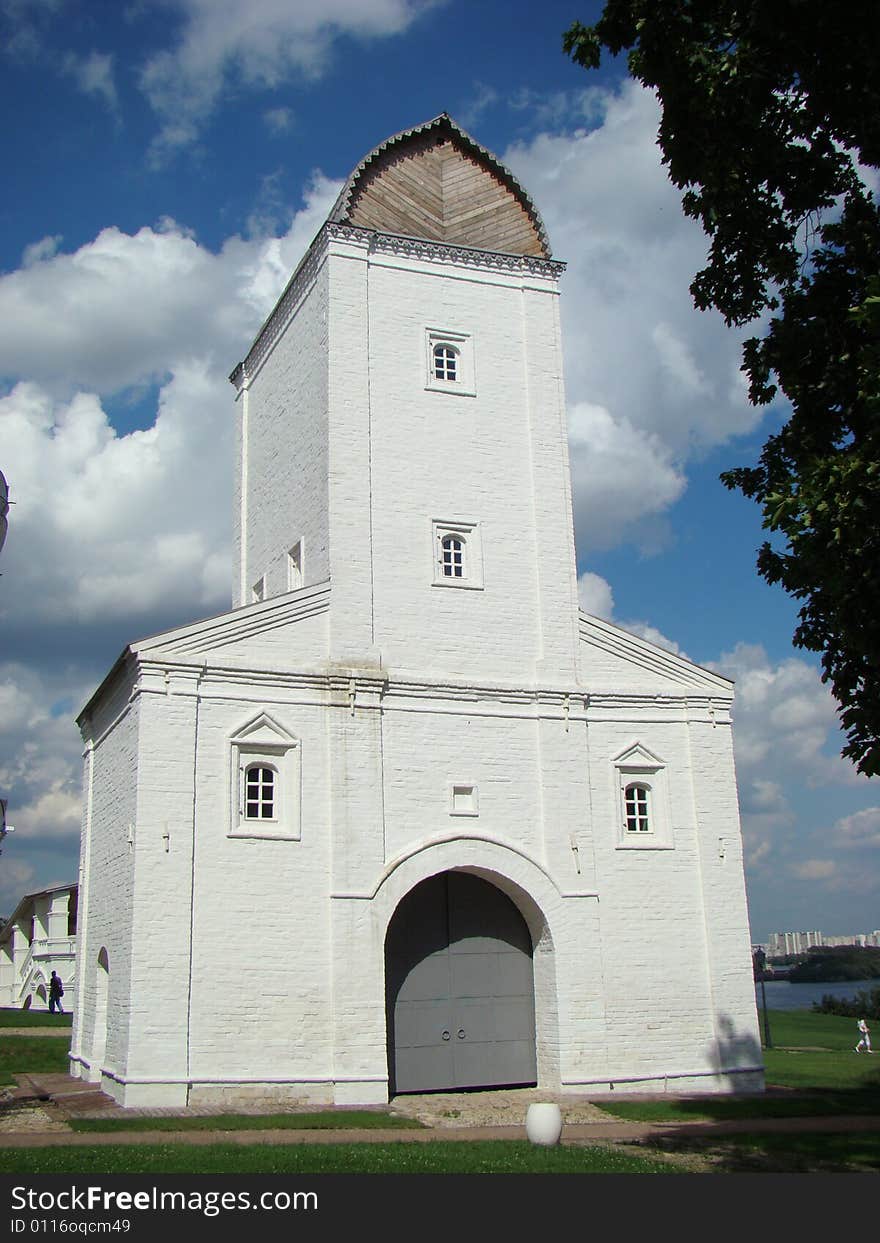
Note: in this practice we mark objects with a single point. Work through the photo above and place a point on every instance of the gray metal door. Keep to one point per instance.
(460, 988)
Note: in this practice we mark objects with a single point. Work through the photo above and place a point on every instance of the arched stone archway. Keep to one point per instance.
(460, 996)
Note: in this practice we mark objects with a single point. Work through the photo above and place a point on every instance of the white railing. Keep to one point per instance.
(61, 947)
(23, 969)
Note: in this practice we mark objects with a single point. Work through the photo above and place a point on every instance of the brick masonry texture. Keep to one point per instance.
(252, 969)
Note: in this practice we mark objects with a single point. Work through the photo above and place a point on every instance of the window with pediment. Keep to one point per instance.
(265, 781)
(641, 800)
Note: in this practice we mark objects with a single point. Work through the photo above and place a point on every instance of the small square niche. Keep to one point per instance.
(463, 800)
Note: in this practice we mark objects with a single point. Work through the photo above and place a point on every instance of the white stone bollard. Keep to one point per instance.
(544, 1123)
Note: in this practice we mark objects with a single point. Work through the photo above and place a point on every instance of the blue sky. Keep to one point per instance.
(167, 162)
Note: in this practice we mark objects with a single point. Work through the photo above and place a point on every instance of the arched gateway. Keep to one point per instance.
(460, 991)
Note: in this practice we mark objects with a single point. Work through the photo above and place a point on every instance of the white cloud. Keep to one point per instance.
(595, 595)
(484, 97)
(646, 631)
(106, 524)
(784, 714)
(124, 309)
(278, 120)
(258, 45)
(112, 526)
(762, 796)
(16, 879)
(39, 251)
(24, 22)
(56, 812)
(787, 738)
(814, 869)
(650, 380)
(677, 360)
(41, 776)
(93, 75)
(858, 830)
(620, 475)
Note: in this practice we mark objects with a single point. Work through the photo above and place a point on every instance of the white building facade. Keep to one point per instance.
(404, 819)
(38, 938)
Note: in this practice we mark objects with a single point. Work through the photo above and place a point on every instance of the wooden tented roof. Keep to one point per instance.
(435, 182)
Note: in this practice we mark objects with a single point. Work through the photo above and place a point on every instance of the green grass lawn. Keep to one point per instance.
(34, 1018)
(812, 1055)
(802, 1029)
(809, 1153)
(33, 1055)
(435, 1157)
(329, 1120)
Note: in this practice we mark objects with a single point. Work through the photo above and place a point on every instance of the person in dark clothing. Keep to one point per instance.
(56, 992)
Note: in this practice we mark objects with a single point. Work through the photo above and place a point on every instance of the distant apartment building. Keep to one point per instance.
(781, 943)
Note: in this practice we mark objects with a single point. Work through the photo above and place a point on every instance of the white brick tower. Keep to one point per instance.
(408, 386)
(404, 819)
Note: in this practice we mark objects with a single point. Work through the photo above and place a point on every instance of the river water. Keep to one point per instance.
(784, 995)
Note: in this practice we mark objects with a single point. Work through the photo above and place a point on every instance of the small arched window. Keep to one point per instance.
(636, 808)
(445, 363)
(452, 556)
(259, 792)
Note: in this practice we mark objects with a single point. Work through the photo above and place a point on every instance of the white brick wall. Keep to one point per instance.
(106, 882)
(253, 968)
(283, 454)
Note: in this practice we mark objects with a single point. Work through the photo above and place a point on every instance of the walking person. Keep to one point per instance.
(864, 1037)
(56, 992)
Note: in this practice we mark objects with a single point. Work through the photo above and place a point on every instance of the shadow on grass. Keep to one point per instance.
(812, 1103)
(813, 1152)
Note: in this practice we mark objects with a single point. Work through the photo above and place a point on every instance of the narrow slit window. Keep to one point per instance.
(259, 793)
(445, 363)
(452, 556)
(295, 566)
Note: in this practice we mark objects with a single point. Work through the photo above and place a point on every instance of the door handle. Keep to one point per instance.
(461, 1033)
(446, 1035)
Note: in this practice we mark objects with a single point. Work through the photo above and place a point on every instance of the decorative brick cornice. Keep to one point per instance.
(379, 243)
(277, 320)
(444, 252)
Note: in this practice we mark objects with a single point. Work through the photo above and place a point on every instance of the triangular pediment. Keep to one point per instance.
(638, 757)
(263, 731)
(436, 182)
